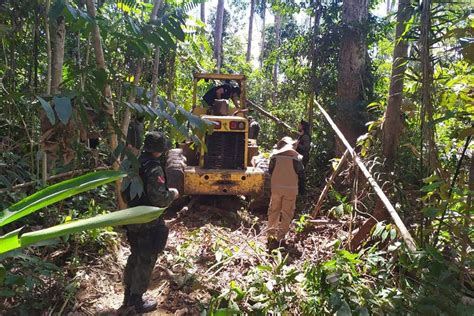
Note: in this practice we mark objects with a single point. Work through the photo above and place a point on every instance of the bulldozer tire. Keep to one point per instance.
(174, 169)
(261, 202)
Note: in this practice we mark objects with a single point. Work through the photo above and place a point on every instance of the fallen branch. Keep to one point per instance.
(325, 191)
(405, 234)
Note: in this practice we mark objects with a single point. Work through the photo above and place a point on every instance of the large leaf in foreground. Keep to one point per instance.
(57, 192)
(134, 215)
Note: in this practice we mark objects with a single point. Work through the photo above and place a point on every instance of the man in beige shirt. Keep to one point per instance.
(286, 168)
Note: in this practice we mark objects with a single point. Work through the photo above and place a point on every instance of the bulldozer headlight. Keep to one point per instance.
(217, 124)
(235, 125)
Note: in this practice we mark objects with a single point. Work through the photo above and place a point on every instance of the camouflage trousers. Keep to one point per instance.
(146, 242)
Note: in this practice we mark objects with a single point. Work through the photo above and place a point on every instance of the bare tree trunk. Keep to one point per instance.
(218, 34)
(137, 74)
(107, 94)
(203, 12)
(55, 137)
(131, 99)
(156, 7)
(35, 47)
(171, 73)
(156, 59)
(427, 112)
(262, 45)
(48, 46)
(392, 126)
(249, 41)
(58, 28)
(467, 228)
(277, 46)
(350, 88)
(313, 84)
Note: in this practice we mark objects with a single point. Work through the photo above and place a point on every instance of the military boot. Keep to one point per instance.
(142, 306)
(272, 244)
(126, 296)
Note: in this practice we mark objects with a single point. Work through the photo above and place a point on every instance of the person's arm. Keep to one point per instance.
(235, 100)
(271, 165)
(156, 188)
(257, 129)
(299, 169)
(304, 144)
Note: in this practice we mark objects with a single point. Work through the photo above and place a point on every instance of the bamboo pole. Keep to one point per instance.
(405, 234)
(325, 191)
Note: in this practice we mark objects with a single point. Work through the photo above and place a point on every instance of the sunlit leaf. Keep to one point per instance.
(57, 192)
(135, 215)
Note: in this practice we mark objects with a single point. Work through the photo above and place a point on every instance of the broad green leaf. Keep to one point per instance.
(176, 29)
(130, 216)
(432, 186)
(48, 109)
(10, 241)
(63, 108)
(57, 192)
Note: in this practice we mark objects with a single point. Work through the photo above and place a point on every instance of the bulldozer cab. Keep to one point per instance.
(238, 78)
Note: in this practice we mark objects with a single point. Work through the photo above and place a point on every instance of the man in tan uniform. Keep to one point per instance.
(286, 168)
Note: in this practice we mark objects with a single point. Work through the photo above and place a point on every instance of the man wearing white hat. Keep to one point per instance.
(286, 168)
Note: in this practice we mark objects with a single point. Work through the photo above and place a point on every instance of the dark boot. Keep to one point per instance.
(126, 296)
(272, 244)
(142, 306)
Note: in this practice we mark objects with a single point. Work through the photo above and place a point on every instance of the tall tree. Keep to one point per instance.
(317, 12)
(156, 60)
(203, 11)
(218, 30)
(108, 105)
(427, 108)
(352, 67)
(277, 46)
(58, 29)
(249, 41)
(392, 126)
(263, 10)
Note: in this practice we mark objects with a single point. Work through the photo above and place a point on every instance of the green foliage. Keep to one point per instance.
(57, 192)
(61, 191)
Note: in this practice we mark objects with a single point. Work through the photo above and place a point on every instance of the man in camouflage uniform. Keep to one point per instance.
(147, 240)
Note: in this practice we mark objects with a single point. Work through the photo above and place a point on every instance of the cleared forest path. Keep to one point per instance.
(208, 247)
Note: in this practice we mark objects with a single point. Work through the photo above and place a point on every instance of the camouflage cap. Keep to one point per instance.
(156, 142)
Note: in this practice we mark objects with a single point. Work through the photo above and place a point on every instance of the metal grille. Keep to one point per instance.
(225, 150)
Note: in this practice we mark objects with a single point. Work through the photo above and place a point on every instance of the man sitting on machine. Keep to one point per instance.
(217, 98)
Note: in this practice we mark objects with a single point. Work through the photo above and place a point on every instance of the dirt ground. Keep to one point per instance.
(214, 242)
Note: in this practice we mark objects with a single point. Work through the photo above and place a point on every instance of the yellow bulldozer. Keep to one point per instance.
(222, 166)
